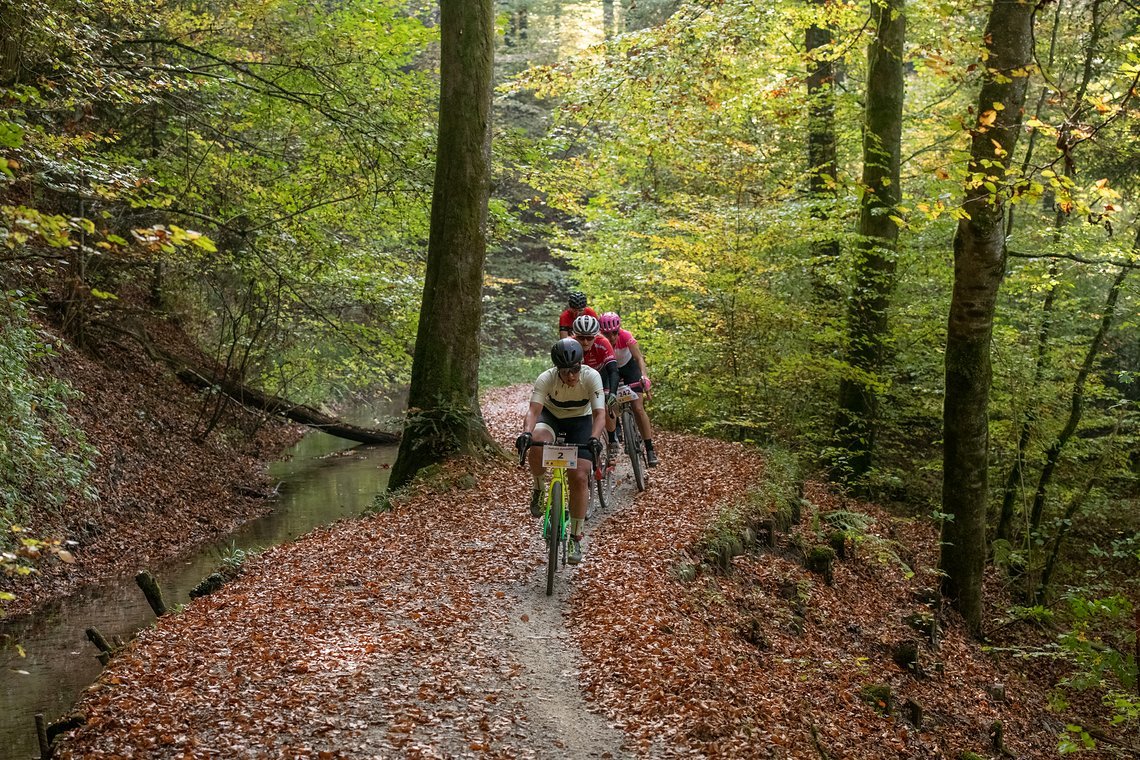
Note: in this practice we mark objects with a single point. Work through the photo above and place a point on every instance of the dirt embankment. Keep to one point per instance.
(162, 487)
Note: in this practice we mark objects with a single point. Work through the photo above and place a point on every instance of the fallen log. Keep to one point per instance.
(243, 394)
(300, 413)
(151, 591)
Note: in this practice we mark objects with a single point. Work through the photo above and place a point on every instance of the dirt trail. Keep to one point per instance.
(421, 632)
(556, 707)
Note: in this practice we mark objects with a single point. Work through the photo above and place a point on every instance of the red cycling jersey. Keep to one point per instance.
(566, 321)
(599, 353)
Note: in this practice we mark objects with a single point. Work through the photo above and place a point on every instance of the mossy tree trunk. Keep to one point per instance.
(979, 266)
(875, 253)
(11, 29)
(444, 419)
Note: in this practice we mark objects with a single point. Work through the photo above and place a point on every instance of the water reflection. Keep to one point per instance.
(322, 480)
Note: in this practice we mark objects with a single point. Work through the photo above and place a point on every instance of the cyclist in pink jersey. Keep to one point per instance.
(577, 308)
(631, 369)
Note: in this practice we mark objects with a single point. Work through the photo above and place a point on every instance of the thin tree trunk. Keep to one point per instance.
(1063, 530)
(608, 18)
(979, 266)
(444, 418)
(822, 159)
(1014, 479)
(11, 30)
(1076, 401)
(1066, 143)
(878, 236)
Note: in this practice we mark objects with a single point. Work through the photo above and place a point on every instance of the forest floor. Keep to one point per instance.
(425, 631)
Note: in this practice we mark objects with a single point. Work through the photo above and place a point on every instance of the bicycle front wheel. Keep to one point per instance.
(605, 485)
(635, 448)
(553, 534)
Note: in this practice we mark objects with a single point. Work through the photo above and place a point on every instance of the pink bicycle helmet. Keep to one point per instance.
(610, 321)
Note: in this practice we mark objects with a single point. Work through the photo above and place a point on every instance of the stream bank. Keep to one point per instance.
(321, 480)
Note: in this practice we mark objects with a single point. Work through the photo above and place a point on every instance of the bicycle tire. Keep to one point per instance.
(635, 449)
(553, 534)
(605, 486)
(590, 480)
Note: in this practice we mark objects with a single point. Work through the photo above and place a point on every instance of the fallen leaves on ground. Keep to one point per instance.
(380, 637)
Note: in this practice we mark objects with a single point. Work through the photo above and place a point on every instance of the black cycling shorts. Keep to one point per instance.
(630, 372)
(576, 429)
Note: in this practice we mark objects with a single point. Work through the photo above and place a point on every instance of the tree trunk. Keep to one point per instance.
(444, 418)
(1066, 142)
(822, 161)
(878, 236)
(299, 413)
(1076, 401)
(979, 266)
(11, 30)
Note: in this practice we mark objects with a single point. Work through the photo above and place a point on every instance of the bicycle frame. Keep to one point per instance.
(558, 458)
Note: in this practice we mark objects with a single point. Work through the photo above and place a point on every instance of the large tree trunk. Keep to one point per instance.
(979, 266)
(444, 419)
(878, 238)
(823, 163)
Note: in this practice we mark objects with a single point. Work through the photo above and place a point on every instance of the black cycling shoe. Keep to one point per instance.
(536, 503)
(651, 458)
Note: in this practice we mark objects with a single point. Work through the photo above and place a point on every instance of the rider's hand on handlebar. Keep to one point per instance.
(595, 448)
(611, 401)
(522, 442)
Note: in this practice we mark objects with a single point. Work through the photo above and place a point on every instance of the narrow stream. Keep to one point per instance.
(322, 480)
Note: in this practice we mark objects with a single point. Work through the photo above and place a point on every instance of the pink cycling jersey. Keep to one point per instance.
(622, 345)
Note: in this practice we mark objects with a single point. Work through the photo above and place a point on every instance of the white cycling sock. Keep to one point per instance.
(539, 483)
(577, 525)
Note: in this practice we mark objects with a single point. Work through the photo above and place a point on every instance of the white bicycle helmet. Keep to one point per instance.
(586, 326)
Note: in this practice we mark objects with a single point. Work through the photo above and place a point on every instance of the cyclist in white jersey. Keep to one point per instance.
(567, 399)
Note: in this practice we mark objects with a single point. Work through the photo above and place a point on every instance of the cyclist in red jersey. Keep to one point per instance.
(577, 308)
(599, 354)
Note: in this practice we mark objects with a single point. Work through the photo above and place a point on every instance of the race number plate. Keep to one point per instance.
(625, 393)
(560, 457)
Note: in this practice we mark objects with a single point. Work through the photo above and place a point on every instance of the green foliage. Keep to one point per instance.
(842, 519)
(498, 369)
(43, 456)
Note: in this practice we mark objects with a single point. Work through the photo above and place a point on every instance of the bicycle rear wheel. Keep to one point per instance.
(636, 450)
(553, 534)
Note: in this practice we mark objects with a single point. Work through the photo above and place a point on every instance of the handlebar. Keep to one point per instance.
(532, 443)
